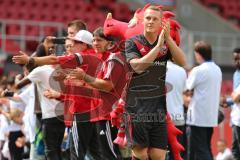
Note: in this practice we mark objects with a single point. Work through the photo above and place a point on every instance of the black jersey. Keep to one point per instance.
(146, 92)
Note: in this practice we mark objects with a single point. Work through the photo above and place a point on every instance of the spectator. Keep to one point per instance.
(98, 123)
(176, 79)
(234, 104)
(15, 135)
(235, 119)
(110, 79)
(75, 26)
(205, 81)
(236, 76)
(69, 46)
(52, 127)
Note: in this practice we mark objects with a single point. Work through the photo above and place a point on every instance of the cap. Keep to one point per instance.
(83, 36)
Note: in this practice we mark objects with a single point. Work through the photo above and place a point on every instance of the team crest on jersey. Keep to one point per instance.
(164, 49)
(143, 50)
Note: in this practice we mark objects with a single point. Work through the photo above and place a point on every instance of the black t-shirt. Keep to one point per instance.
(146, 91)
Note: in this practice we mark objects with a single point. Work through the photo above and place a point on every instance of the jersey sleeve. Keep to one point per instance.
(69, 61)
(112, 71)
(131, 50)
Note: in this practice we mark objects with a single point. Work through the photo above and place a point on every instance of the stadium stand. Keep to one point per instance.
(228, 9)
(93, 12)
(62, 11)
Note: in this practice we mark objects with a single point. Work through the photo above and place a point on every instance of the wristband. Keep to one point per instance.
(31, 63)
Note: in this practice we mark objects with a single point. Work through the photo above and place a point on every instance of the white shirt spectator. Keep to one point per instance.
(226, 155)
(205, 80)
(3, 125)
(18, 105)
(176, 78)
(29, 119)
(41, 76)
(235, 113)
(13, 127)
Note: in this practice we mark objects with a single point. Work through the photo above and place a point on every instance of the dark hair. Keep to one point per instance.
(236, 50)
(79, 24)
(99, 33)
(204, 49)
(40, 51)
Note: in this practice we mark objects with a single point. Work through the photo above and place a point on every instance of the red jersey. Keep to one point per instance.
(105, 66)
(73, 103)
(114, 70)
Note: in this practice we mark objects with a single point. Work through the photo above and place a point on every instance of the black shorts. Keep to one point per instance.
(148, 134)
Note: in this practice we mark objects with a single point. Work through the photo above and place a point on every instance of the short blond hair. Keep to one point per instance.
(155, 8)
(15, 113)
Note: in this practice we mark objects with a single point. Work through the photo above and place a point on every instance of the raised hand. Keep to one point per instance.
(161, 39)
(166, 28)
(77, 73)
(21, 58)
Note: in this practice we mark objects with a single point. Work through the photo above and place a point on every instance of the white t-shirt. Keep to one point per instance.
(3, 125)
(235, 113)
(17, 105)
(41, 76)
(205, 80)
(29, 118)
(226, 155)
(13, 127)
(176, 78)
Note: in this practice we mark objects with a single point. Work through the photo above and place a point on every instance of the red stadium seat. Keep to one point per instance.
(13, 30)
(59, 11)
(32, 30)
(49, 31)
(11, 13)
(103, 3)
(228, 9)
(121, 11)
(94, 20)
(3, 12)
(231, 10)
(32, 45)
(212, 2)
(2, 2)
(68, 6)
(33, 3)
(11, 47)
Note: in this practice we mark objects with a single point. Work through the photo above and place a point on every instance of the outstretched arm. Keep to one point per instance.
(25, 81)
(23, 58)
(101, 84)
(48, 45)
(13, 97)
